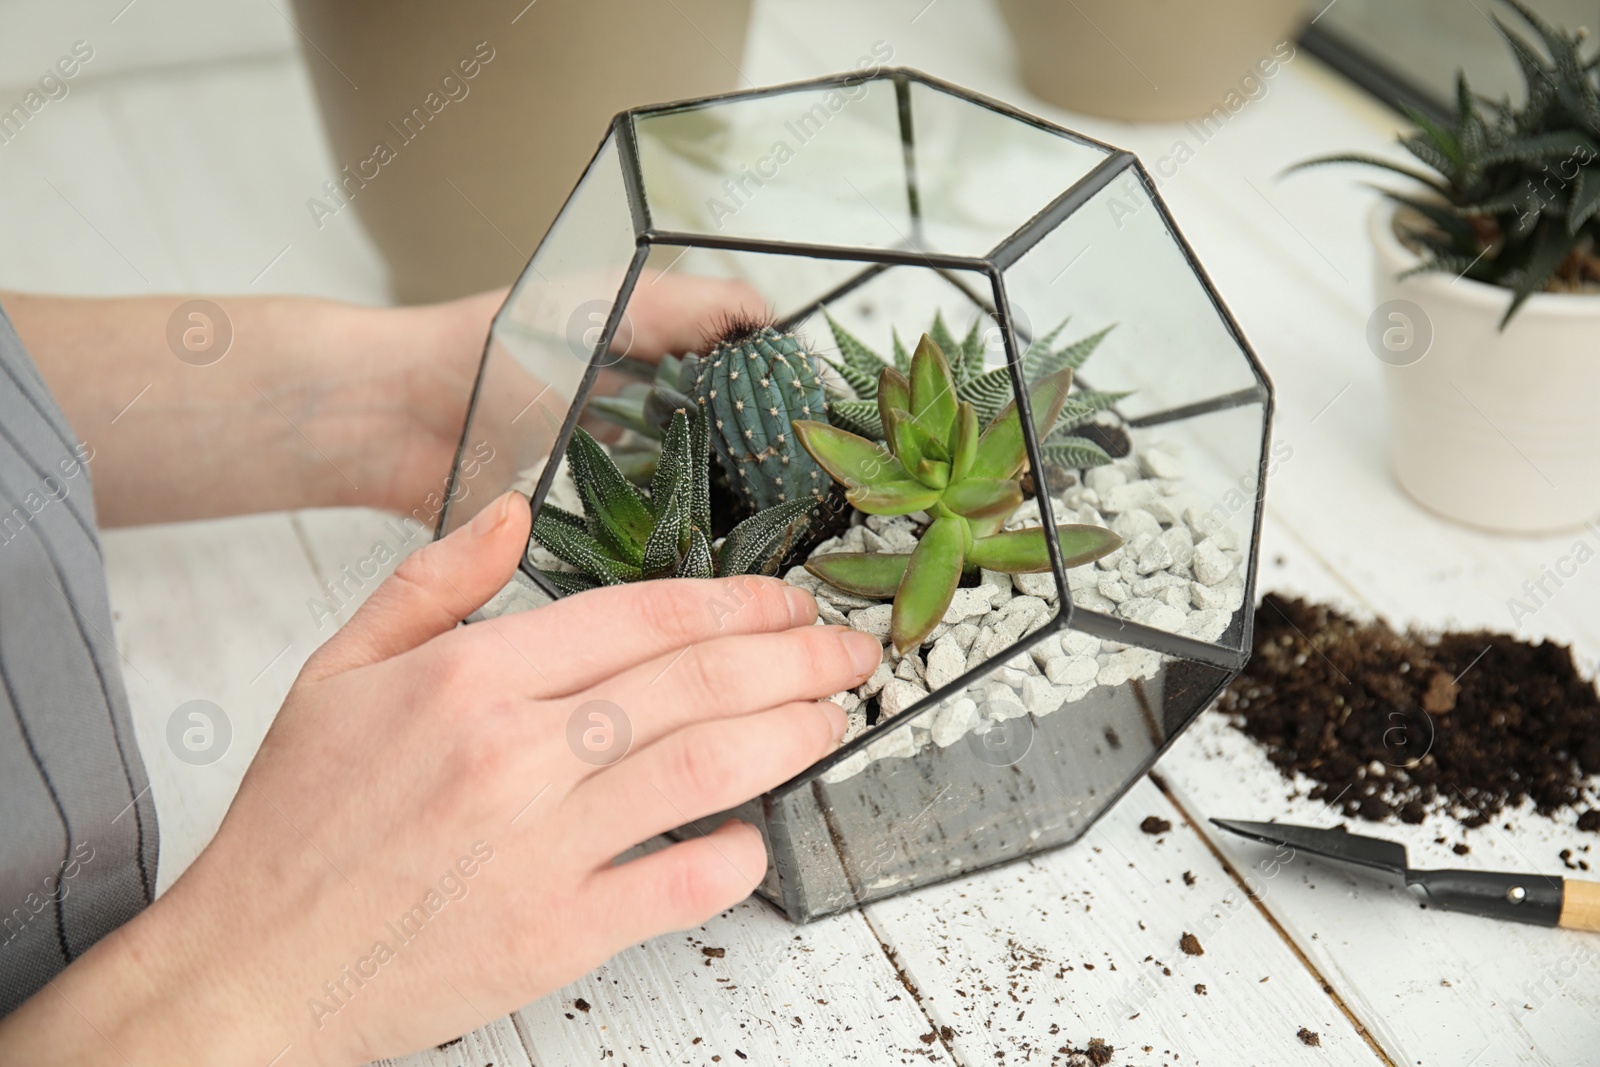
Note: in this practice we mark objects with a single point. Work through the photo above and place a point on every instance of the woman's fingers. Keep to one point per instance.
(680, 886)
(582, 640)
(699, 771)
(432, 590)
(736, 675)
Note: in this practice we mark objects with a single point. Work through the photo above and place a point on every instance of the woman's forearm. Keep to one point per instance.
(312, 403)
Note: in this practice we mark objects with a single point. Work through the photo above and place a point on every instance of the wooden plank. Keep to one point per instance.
(1083, 942)
(496, 1044)
(769, 992)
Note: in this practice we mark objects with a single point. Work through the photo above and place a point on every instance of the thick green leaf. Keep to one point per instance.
(933, 473)
(900, 433)
(577, 549)
(569, 582)
(864, 385)
(1074, 413)
(1585, 198)
(894, 393)
(700, 467)
(758, 544)
(910, 434)
(669, 542)
(933, 389)
(968, 362)
(1001, 449)
(1074, 453)
(1375, 161)
(554, 514)
(858, 416)
(1073, 356)
(893, 498)
(1550, 248)
(941, 335)
(858, 357)
(697, 563)
(672, 470)
(851, 460)
(1039, 347)
(965, 447)
(988, 393)
(1026, 552)
(930, 581)
(902, 358)
(1553, 145)
(983, 498)
(618, 515)
(875, 575)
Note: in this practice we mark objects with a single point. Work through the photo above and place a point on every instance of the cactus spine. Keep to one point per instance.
(753, 383)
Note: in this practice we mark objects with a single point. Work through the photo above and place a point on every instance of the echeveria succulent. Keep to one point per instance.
(939, 460)
(986, 390)
(627, 535)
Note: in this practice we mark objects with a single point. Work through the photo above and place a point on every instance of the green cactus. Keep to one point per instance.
(629, 535)
(986, 390)
(938, 461)
(753, 383)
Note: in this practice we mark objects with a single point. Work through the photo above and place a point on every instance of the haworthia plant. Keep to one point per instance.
(628, 534)
(942, 459)
(987, 390)
(1511, 195)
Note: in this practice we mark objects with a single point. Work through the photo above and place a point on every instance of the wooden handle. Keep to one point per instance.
(1580, 905)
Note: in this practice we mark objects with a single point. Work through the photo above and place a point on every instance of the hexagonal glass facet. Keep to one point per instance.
(882, 199)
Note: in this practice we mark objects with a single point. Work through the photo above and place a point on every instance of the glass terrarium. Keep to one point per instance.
(864, 210)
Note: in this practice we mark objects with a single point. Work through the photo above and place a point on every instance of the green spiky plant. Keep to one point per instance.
(1513, 199)
(629, 535)
(986, 390)
(938, 460)
(751, 385)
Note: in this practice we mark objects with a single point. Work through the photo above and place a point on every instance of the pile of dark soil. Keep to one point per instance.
(1392, 724)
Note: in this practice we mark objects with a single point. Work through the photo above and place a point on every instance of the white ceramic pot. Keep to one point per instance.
(1497, 429)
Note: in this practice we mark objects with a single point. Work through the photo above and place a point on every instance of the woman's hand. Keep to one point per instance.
(425, 839)
(312, 403)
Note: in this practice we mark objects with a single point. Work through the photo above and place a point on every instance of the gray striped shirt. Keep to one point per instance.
(77, 826)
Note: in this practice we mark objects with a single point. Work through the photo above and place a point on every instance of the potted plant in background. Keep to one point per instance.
(1488, 294)
(1148, 60)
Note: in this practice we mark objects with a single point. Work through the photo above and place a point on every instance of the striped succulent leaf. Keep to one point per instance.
(1073, 453)
(858, 416)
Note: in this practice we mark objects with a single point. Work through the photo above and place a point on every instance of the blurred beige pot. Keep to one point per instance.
(1149, 60)
(1495, 429)
(476, 171)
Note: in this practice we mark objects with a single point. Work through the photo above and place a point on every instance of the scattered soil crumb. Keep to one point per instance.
(1200, 988)
(1191, 945)
(1188, 878)
(713, 953)
(1154, 824)
(1394, 724)
(1309, 1037)
(581, 1004)
(1461, 849)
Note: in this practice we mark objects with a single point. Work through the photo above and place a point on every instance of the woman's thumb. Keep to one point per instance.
(433, 589)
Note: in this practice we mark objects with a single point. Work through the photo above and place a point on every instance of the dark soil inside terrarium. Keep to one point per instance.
(1398, 724)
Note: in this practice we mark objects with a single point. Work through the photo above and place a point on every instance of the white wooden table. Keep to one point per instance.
(195, 178)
